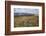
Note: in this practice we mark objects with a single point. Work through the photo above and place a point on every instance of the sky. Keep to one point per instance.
(26, 10)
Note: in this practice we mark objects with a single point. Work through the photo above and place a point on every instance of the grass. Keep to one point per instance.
(26, 21)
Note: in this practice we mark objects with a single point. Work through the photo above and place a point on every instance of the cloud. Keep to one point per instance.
(26, 10)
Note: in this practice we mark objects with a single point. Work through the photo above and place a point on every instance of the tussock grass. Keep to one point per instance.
(26, 21)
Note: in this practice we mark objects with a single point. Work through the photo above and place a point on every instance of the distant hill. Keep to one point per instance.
(24, 14)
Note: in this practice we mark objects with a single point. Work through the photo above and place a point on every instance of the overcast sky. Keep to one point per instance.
(26, 10)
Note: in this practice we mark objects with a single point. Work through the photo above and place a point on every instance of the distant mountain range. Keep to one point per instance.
(24, 14)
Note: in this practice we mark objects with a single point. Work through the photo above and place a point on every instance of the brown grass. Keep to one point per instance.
(18, 20)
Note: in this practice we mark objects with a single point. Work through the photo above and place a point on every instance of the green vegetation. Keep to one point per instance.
(26, 21)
